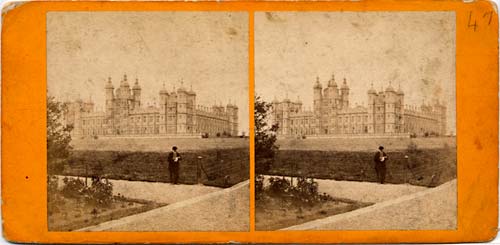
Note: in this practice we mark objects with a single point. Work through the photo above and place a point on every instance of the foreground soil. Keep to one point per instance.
(277, 212)
(68, 214)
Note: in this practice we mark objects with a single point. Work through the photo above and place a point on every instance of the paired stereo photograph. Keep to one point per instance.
(149, 123)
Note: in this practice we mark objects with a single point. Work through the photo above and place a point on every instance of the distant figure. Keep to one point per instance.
(174, 159)
(380, 160)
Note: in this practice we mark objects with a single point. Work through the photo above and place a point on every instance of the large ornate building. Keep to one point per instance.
(386, 114)
(178, 114)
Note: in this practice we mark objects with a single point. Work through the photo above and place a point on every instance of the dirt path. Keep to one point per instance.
(157, 192)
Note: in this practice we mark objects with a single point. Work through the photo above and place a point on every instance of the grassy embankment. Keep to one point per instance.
(224, 167)
(431, 163)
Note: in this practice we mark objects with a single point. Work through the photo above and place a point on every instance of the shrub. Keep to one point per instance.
(279, 186)
(73, 188)
(100, 192)
(52, 187)
(306, 191)
(52, 184)
(259, 186)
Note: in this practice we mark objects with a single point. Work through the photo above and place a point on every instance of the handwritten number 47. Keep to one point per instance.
(472, 23)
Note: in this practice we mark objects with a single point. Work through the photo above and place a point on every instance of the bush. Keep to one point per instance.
(100, 193)
(279, 186)
(73, 188)
(306, 192)
(259, 186)
(52, 187)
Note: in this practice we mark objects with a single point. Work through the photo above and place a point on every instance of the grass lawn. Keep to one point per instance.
(224, 167)
(277, 212)
(68, 214)
(424, 167)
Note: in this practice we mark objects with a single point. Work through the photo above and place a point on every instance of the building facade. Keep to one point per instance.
(177, 114)
(385, 114)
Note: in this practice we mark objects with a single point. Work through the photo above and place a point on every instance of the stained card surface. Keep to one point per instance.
(251, 122)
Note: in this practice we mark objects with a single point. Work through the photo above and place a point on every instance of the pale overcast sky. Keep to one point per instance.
(208, 50)
(413, 49)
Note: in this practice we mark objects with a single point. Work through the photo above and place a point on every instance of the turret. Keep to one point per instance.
(372, 96)
(136, 93)
(163, 95)
(232, 111)
(332, 92)
(124, 88)
(318, 96)
(390, 94)
(392, 111)
(109, 97)
(344, 94)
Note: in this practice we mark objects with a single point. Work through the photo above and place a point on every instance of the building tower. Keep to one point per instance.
(317, 103)
(232, 111)
(440, 110)
(171, 108)
(400, 121)
(182, 112)
(372, 97)
(286, 116)
(136, 94)
(110, 97)
(344, 95)
(163, 110)
(391, 100)
(122, 106)
(330, 108)
(190, 110)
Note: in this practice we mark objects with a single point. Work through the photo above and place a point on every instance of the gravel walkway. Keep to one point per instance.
(431, 209)
(362, 191)
(157, 192)
(225, 210)
(366, 191)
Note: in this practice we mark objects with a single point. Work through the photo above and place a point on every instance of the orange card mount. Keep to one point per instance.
(95, 95)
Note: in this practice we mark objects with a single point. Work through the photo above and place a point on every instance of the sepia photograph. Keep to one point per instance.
(147, 121)
(355, 116)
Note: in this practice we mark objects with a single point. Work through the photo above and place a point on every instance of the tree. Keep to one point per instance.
(58, 135)
(265, 136)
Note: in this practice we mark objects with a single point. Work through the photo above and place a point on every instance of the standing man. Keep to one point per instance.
(380, 167)
(174, 159)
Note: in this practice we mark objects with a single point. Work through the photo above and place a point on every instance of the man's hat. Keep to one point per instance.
(174, 148)
(380, 147)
